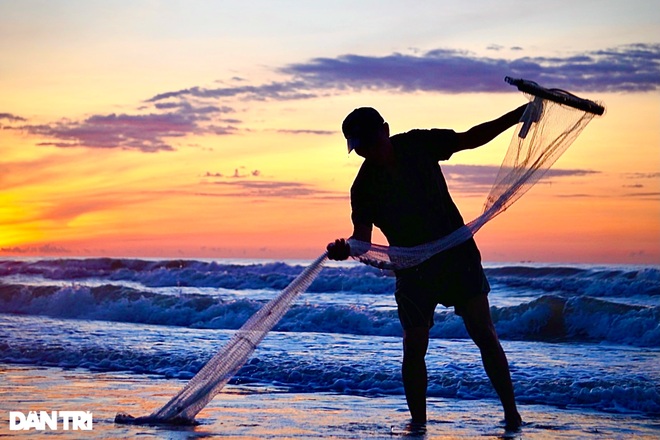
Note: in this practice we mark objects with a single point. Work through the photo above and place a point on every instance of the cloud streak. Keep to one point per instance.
(623, 69)
(151, 132)
(478, 179)
(252, 184)
(145, 133)
(168, 116)
(11, 118)
(285, 90)
(264, 189)
(267, 189)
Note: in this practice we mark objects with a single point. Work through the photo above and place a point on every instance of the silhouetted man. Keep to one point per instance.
(401, 190)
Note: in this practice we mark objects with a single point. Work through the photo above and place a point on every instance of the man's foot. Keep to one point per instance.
(410, 429)
(513, 423)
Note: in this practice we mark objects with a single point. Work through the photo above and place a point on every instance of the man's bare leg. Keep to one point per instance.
(479, 324)
(413, 370)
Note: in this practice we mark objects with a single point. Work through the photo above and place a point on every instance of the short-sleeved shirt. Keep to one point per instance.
(411, 205)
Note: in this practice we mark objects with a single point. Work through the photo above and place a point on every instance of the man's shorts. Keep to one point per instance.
(449, 278)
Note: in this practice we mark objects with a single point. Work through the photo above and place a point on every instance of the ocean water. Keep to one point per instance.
(578, 337)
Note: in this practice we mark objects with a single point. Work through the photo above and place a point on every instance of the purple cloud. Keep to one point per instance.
(637, 176)
(626, 68)
(313, 132)
(479, 178)
(11, 118)
(244, 183)
(148, 133)
(197, 110)
(276, 90)
(270, 189)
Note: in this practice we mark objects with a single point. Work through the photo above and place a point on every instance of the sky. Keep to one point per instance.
(212, 129)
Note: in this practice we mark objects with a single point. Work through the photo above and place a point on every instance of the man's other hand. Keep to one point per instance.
(339, 250)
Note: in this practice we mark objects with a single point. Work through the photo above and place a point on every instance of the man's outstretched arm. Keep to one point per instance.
(483, 133)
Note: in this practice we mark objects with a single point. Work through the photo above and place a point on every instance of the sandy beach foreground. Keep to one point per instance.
(242, 412)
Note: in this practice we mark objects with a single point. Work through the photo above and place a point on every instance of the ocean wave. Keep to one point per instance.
(580, 319)
(193, 273)
(616, 281)
(548, 318)
(607, 281)
(327, 364)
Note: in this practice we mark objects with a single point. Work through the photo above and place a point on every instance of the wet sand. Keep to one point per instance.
(258, 412)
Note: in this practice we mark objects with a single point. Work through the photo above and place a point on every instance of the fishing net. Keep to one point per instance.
(551, 122)
(213, 376)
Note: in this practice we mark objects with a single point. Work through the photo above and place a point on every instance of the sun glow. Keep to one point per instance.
(143, 134)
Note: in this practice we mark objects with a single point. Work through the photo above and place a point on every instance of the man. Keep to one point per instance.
(401, 190)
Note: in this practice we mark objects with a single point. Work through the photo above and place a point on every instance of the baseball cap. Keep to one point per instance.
(361, 125)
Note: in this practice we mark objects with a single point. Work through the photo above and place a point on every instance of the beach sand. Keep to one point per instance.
(257, 412)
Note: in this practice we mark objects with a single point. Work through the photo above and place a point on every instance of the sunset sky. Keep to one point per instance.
(211, 129)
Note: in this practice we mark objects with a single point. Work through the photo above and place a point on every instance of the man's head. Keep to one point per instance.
(362, 127)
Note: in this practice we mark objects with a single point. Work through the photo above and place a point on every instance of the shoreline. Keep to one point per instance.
(254, 412)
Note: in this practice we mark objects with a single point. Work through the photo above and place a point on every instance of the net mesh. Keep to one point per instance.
(546, 130)
(548, 127)
(199, 391)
